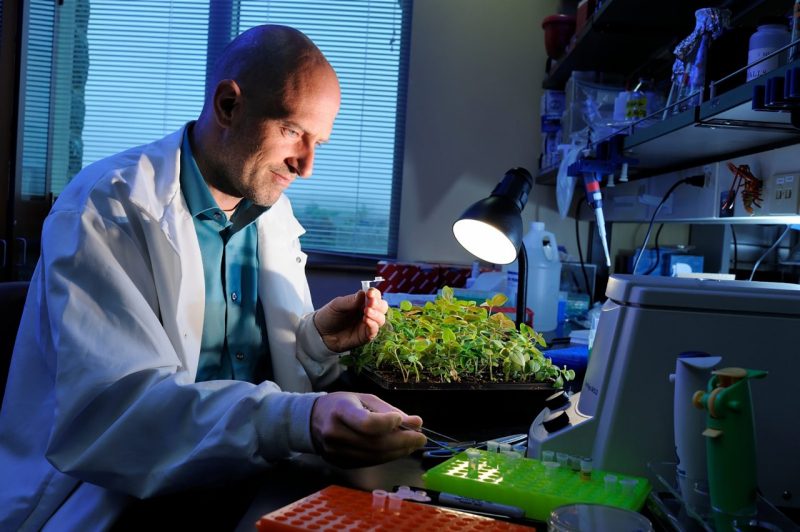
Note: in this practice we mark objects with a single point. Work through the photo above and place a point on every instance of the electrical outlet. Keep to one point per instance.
(782, 192)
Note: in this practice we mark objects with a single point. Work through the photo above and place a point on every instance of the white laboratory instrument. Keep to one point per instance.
(623, 416)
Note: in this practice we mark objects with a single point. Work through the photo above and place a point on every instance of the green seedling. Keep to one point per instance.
(453, 340)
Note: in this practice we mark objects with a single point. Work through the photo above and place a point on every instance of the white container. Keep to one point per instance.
(767, 38)
(544, 276)
(691, 374)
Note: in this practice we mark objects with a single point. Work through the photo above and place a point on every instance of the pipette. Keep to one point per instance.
(591, 183)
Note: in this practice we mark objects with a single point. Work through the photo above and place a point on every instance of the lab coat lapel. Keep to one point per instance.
(283, 290)
(173, 246)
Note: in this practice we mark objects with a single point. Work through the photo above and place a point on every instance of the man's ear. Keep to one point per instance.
(227, 98)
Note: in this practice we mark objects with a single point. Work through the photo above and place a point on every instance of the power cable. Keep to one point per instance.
(767, 252)
(693, 180)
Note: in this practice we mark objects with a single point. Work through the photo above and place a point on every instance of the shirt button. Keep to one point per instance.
(299, 260)
(217, 215)
(239, 356)
(234, 296)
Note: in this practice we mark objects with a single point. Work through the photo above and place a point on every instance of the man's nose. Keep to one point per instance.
(304, 161)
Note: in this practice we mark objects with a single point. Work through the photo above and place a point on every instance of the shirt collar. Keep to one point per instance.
(195, 191)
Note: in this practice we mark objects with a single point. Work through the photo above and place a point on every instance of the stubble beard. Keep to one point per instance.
(261, 188)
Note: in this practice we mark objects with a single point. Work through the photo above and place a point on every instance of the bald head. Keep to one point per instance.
(272, 102)
(266, 60)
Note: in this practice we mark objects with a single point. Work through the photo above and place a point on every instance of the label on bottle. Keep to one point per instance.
(764, 66)
(511, 286)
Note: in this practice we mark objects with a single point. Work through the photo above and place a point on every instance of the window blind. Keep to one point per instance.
(141, 75)
(37, 56)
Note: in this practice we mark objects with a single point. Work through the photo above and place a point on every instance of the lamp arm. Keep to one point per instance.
(522, 284)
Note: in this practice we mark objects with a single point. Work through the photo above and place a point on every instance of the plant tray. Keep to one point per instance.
(387, 383)
(463, 409)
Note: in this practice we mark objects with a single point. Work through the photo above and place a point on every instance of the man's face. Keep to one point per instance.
(264, 155)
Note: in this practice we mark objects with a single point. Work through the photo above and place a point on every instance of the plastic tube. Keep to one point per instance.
(473, 457)
(395, 502)
(562, 459)
(550, 468)
(366, 284)
(378, 499)
(586, 469)
(628, 484)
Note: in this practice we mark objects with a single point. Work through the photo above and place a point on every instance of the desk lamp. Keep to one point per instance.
(491, 229)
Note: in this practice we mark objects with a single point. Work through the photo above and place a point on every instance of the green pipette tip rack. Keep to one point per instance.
(536, 487)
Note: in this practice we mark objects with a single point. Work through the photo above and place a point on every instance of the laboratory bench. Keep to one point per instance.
(291, 481)
(239, 505)
(307, 474)
(463, 414)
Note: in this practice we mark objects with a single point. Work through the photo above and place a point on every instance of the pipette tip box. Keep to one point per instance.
(337, 508)
(535, 486)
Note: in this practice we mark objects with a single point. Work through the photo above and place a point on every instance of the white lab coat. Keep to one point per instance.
(101, 402)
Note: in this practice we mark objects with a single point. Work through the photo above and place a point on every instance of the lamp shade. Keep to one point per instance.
(491, 229)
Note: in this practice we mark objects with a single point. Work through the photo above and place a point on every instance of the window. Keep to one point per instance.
(101, 76)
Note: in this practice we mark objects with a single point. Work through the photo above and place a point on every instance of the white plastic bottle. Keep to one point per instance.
(544, 276)
(772, 33)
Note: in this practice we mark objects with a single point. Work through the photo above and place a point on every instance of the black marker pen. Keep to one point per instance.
(477, 505)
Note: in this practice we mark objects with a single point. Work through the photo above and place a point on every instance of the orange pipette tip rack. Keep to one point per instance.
(343, 509)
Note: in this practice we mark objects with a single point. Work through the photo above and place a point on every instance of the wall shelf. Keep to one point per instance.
(723, 127)
(622, 35)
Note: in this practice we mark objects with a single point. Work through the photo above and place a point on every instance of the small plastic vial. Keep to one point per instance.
(548, 456)
(366, 284)
(395, 502)
(586, 469)
(501, 447)
(473, 462)
(512, 456)
(550, 468)
(420, 496)
(562, 459)
(610, 483)
(492, 446)
(378, 499)
(404, 492)
(628, 484)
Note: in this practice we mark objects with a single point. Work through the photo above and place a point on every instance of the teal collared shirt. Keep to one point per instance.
(234, 343)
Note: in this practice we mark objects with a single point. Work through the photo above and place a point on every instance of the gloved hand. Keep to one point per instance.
(350, 321)
(355, 429)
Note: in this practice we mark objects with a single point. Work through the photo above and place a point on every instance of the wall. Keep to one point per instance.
(473, 112)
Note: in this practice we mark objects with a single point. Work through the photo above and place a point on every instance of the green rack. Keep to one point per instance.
(535, 486)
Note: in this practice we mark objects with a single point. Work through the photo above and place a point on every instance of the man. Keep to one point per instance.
(171, 274)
